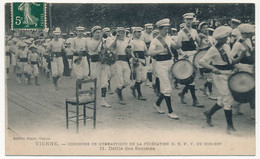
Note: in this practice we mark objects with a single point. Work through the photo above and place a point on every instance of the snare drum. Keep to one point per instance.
(196, 60)
(242, 86)
(183, 71)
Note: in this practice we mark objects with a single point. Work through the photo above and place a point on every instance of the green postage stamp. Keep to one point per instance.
(29, 16)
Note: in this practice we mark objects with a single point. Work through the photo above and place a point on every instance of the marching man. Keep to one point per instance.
(98, 70)
(222, 68)
(80, 62)
(186, 40)
(119, 45)
(33, 60)
(139, 51)
(55, 48)
(160, 47)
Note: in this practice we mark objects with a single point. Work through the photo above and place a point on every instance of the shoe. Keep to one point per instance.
(197, 105)
(105, 104)
(133, 91)
(122, 102)
(159, 110)
(18, 80)
(141, 98)
(239, 113)
(173, 115)
(208, 120)
(182, 98)
(212, 97)
(230, 130)
(37, 84)
(109, 91)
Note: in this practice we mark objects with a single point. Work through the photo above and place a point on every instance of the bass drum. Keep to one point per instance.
(196, 60)
(242, 86)
(183, 71)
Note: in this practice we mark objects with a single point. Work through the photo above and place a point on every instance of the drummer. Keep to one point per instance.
(243, 52)
(221, 66)
(160, 48)
(186, 41)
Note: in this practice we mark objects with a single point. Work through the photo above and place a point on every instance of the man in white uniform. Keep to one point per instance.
(98, 70)
(160, 47)
(55, 48)
(119, 45)
(222, 68)
(186, 41)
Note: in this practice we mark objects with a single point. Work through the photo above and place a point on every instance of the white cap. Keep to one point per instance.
(201, 25)
(80, 28)
(188, 15)
(246, 28)
(148, 25)
(137, 29)
(120, 29)
(106, 29)
(235, 21)
(163, 22)
(222, 32)
(95, 28)
(173, 29)
(56, 32)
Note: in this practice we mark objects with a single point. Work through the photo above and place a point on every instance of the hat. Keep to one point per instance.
(80, 28)
(246, 28)
(155, 31)
(71, 33)
(182, 25)
(22, 44)
(137, 29)
(64, 34)
(202, 24)
(95, 28)
(163, 22)
(120, 29)
(211, 29)
(32, 46)
(88, 32)
(222, 32)
(45, 44)
(149, 25)
(188, 15)
(173, 29)
(56, 32)
(235, 21)
(14, 40)
(106, 29)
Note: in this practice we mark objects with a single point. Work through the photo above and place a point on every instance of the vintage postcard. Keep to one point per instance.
(130, 79)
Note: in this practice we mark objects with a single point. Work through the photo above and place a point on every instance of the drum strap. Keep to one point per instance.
(223, 54)
(188, 34)
(164, 44)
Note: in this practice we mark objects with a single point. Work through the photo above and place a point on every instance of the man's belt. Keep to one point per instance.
(122, 58)
(46, 56)
(140, 54)
(7, 53)
(34, 62)
(23, 59)
(163, 57)
(57, 54)
(224, 67)
(95, 58)
(69, 56)
(83, 53)
(188, 46)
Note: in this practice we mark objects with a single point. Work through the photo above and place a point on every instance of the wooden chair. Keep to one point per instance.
(85, 98)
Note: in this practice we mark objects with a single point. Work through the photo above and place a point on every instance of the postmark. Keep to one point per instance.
(28, 16)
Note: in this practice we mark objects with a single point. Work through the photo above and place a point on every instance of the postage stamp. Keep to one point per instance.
(28, 15)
